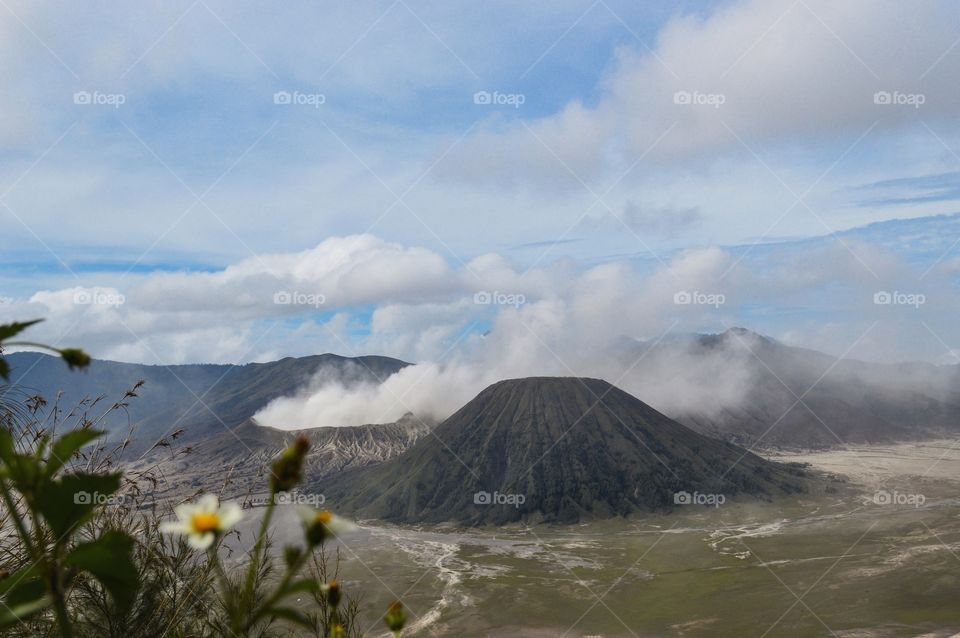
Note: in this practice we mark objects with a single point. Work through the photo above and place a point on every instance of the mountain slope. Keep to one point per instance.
(757, 392)
(239, 458)
(202, 399)
(570, 448)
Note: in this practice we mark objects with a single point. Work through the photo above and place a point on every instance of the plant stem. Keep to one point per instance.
(292, 571)
(226, 589)
(247, 595)
(17, 521)
(59, 602)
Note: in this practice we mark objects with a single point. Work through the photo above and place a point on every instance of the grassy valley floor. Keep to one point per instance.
(845, 565)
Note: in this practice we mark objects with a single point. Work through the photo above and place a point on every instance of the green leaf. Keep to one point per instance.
(65, 447)
(25, 592)
(18, 613)
(71, 500)
(8, 330)
(25, 595)
(24, 471)
(26, 572)
(110, 560)
(292, 615)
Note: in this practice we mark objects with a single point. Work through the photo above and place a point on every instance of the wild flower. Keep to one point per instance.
(202, 522)
(322, 525)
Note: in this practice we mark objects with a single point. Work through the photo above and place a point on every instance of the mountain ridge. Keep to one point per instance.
(200, 399)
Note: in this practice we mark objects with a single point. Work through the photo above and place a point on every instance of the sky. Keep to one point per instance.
(453, 183)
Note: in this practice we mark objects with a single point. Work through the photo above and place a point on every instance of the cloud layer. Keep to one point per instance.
(467, 325)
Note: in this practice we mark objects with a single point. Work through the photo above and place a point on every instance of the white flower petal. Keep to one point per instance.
(208, 503)
(184, 511)
(230, 514)
(339, 525)
(200, 541)
(174, 527)
(306, 514)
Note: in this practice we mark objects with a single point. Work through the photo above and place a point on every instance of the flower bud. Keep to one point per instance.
(287, 471)
(396, 617)
(291, 554)
(333, 592)
(337, 631)
(322, 525)
(75, 358)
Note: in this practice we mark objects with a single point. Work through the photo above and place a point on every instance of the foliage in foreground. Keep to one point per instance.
(85, 550)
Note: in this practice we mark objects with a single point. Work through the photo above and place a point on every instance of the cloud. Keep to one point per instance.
(199, 109)
(646, 218)
(490, 319)
(938, 187)
(292, 197)
(765, 74)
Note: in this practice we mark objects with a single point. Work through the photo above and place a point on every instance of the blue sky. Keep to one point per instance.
(640, 149)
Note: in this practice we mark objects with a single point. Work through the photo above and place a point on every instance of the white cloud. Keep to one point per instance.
(787, 74)
(469, 326)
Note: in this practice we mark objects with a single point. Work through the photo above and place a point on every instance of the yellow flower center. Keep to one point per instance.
(323, 517)
(205, 522)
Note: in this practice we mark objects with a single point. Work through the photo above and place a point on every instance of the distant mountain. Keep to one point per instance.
(765, 394)
(203, 399)
(739, 386)
(569, 448)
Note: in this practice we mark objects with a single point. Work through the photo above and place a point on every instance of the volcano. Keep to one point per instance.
(549, 449)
